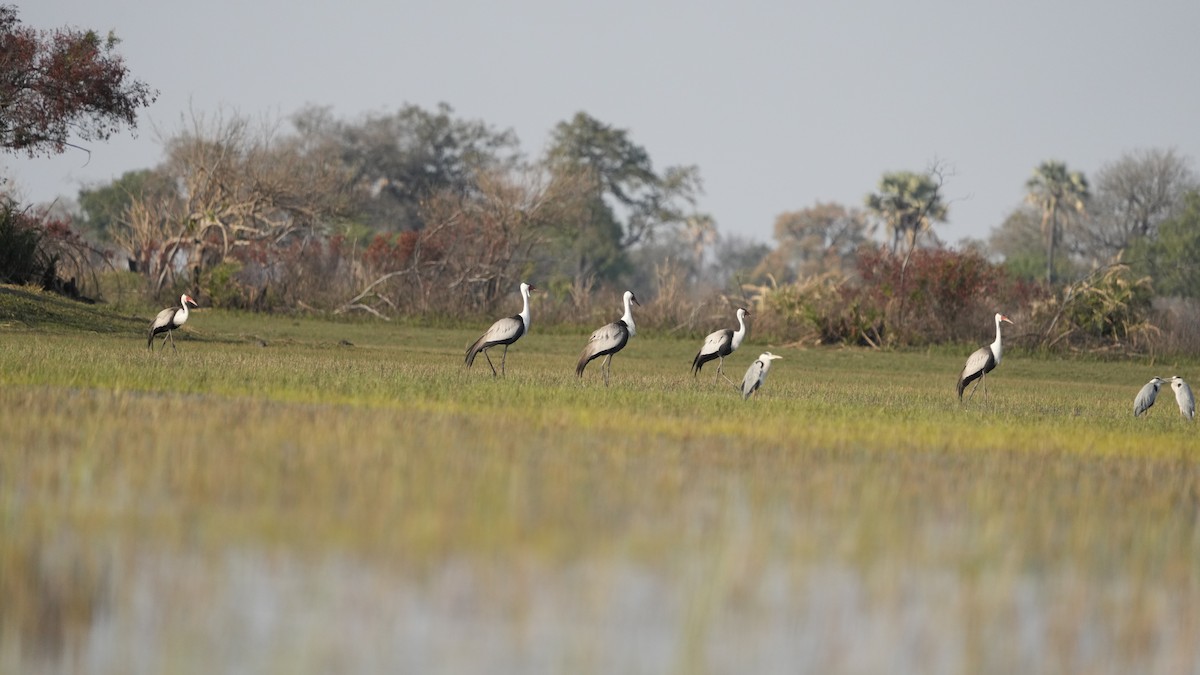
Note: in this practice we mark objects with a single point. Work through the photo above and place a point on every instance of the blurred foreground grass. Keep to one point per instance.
(347, 498)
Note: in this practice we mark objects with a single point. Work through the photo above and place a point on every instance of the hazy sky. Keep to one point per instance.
(779, 104)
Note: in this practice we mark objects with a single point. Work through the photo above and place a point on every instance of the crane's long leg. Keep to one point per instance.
(977, 383)
(607, 368)
(489, 360)
(171, 334)
(721, 372)
(503, 358)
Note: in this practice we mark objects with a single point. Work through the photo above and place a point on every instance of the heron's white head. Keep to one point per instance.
(767, 357)
(1156, 380)
(185, 298)
(1000, 317)
(1177, 382)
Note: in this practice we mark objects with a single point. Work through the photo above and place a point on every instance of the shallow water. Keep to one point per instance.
(250, 610)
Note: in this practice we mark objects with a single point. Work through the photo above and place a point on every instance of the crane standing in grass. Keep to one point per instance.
(504, 332)
(609, 339)
(720, 344)
(168, 320)
(983, 361)
(756, 374)
(1145, 397)
(1183, 396)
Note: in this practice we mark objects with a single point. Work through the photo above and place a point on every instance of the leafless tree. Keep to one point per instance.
(1130, 198)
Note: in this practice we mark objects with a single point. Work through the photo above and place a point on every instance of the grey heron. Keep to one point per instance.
(609, 339)
(168, 320)
(1183, 396)
(1145, 397)
(981, 362)
(757, 373)
(504, 332)
(720, 344)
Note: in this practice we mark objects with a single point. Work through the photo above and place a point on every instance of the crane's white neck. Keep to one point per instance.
(628, 316)
(997, 347)
(740, 333)
(525, 305)
(182, 314)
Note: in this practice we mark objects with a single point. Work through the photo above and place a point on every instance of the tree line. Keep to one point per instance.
(418, 211)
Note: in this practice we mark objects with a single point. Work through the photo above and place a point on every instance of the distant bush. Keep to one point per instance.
(1109, 309)
(933, 296)
(43, 251)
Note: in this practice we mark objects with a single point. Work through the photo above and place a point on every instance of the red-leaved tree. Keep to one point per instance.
(61, 82)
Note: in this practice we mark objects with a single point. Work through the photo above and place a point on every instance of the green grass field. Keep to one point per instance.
(293, 495)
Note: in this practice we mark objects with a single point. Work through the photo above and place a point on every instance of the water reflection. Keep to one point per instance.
(71, 607)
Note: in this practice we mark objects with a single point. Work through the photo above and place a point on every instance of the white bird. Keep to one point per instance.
(168, 320)
(981, 362)
(1146, 396)
(720, 344)
(1183, 396)
(504, 332)
(609, 339)
(757, 373)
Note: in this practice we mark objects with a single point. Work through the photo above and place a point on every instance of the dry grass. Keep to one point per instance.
(315, 507)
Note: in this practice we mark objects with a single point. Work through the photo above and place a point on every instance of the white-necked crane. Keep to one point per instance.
(757, 373)
(983, 361)
(504, 332)
(168, 320)
(720, 344)
(1145, 397)
(609, 339)
(1183, 396)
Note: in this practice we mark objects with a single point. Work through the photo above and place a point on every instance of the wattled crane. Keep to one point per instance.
(504, 332)
(609, 339)
(168, 320)
(981, 362)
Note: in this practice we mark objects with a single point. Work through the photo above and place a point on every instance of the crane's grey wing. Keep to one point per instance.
(712, 343)
(753, 378)
(505, 330)
(976, 362)
(163, 318)
(1145, 399)
(605, 339)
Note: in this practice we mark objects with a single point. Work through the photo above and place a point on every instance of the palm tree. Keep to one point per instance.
(1055, 191)
(909, 203)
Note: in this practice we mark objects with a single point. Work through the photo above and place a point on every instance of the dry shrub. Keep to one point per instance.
(933, 296)
(1110, 309)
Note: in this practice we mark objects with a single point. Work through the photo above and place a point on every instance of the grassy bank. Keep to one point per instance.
(298, 496)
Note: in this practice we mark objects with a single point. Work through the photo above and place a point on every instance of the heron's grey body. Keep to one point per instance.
(609, 339)
(720, 344)
(757, 373)
(1147, 396)
(504, 332)
(168, 320)
(983, 361)
(1183, 396)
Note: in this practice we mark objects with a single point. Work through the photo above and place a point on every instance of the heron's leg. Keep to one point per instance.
(503, 358)
(489, 360)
